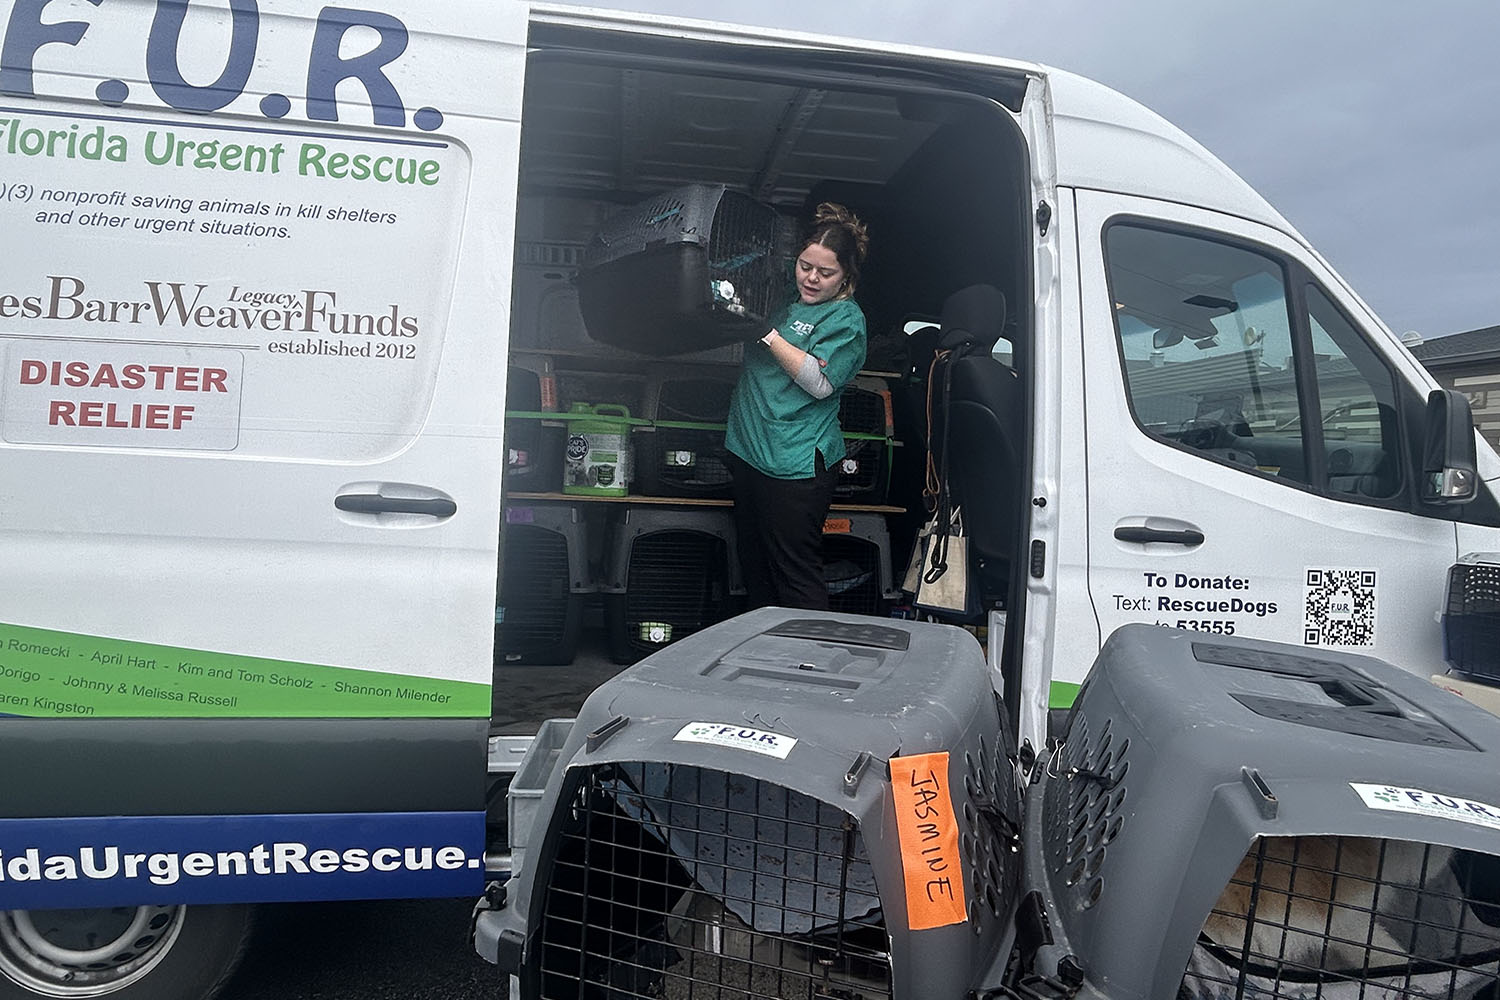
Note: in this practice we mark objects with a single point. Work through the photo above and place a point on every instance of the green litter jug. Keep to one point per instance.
(598, 451)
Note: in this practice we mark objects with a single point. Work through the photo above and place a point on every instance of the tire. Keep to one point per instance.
(123, 952)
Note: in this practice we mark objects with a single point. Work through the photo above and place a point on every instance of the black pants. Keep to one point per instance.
(779, 529)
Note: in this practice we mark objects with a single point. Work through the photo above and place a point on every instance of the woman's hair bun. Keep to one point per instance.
(831, 213)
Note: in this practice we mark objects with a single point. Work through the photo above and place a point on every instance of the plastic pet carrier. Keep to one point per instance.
(543, 582)
(864, 473)
(544, 300)
(865, 407)
(534, 447)
(867, 420)
(693, 268)
(857, 563)
(1471, 620)
(694, 399)
(671, 573)
(680, 459)
(530, 387)
(1232, 818)
(614, 387)
(717, 826)
(534, 440)
(684, 455)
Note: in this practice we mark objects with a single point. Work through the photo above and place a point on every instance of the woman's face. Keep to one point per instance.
(819, 276)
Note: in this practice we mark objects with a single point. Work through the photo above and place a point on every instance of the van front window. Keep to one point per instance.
(1211, 346)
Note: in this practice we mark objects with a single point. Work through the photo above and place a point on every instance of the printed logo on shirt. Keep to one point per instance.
(802, 326)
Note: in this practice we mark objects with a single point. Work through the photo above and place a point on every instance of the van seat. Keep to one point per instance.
(986, 425)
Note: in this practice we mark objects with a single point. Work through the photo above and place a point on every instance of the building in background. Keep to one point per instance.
(1470, 363)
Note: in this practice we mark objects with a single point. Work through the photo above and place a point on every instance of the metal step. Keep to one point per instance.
(506, 753)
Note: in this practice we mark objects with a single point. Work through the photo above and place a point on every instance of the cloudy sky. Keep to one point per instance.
(1372, 125)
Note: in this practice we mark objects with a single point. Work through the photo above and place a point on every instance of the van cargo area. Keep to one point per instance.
(941, 180)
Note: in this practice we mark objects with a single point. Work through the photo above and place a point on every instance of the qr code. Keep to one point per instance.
(1340, 608)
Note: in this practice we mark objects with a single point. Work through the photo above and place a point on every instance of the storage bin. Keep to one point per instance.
(672, 571)
(543, 582)
(530, 781)
(1471, 621)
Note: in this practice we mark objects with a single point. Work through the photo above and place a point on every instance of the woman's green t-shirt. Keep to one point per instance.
(777, 426)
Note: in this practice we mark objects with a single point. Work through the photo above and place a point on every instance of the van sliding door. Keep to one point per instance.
(250, 425)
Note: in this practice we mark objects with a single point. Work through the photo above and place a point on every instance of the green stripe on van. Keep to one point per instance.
(65, 674)
(1063, 694)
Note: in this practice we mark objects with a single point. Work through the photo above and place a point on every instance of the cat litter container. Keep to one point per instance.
(597, 459)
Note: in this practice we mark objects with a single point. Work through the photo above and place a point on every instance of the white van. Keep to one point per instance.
(266, 268)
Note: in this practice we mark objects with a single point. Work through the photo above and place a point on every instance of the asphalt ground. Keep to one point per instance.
(524, 696)
(401, 949)
(395, 949)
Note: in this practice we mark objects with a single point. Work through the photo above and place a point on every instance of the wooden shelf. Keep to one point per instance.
(851, 508)
(609, 362)
(605, 364)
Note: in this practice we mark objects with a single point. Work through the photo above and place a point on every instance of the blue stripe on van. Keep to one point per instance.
(130, 860)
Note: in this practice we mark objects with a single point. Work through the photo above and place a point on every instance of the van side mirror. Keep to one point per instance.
(1450, 473)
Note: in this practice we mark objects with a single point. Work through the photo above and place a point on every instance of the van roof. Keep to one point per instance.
(1103, 140)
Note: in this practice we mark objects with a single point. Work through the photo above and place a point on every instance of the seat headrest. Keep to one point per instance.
(973, 318)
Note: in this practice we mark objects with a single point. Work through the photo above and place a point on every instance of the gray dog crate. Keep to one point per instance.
(693, 268)
(865, 407)
(857, 563)
(864, 473)
(534, 438)
(682, 454)
(1233, 818)
(543, 582)
(670, 572)
(690, 395)
(716, 825)
(679, 459)
(1471, 617)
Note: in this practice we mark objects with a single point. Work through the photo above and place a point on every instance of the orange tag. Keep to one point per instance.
(928, 832)
(836, 526)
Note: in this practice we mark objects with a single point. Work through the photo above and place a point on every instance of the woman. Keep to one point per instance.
(783, 437)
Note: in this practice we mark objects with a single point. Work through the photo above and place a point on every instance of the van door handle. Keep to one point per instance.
(1141, 534)
(374, 503)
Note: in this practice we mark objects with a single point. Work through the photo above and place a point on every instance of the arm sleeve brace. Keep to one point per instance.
(810, 377)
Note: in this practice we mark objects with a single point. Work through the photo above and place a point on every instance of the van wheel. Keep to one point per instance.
(123, 952)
